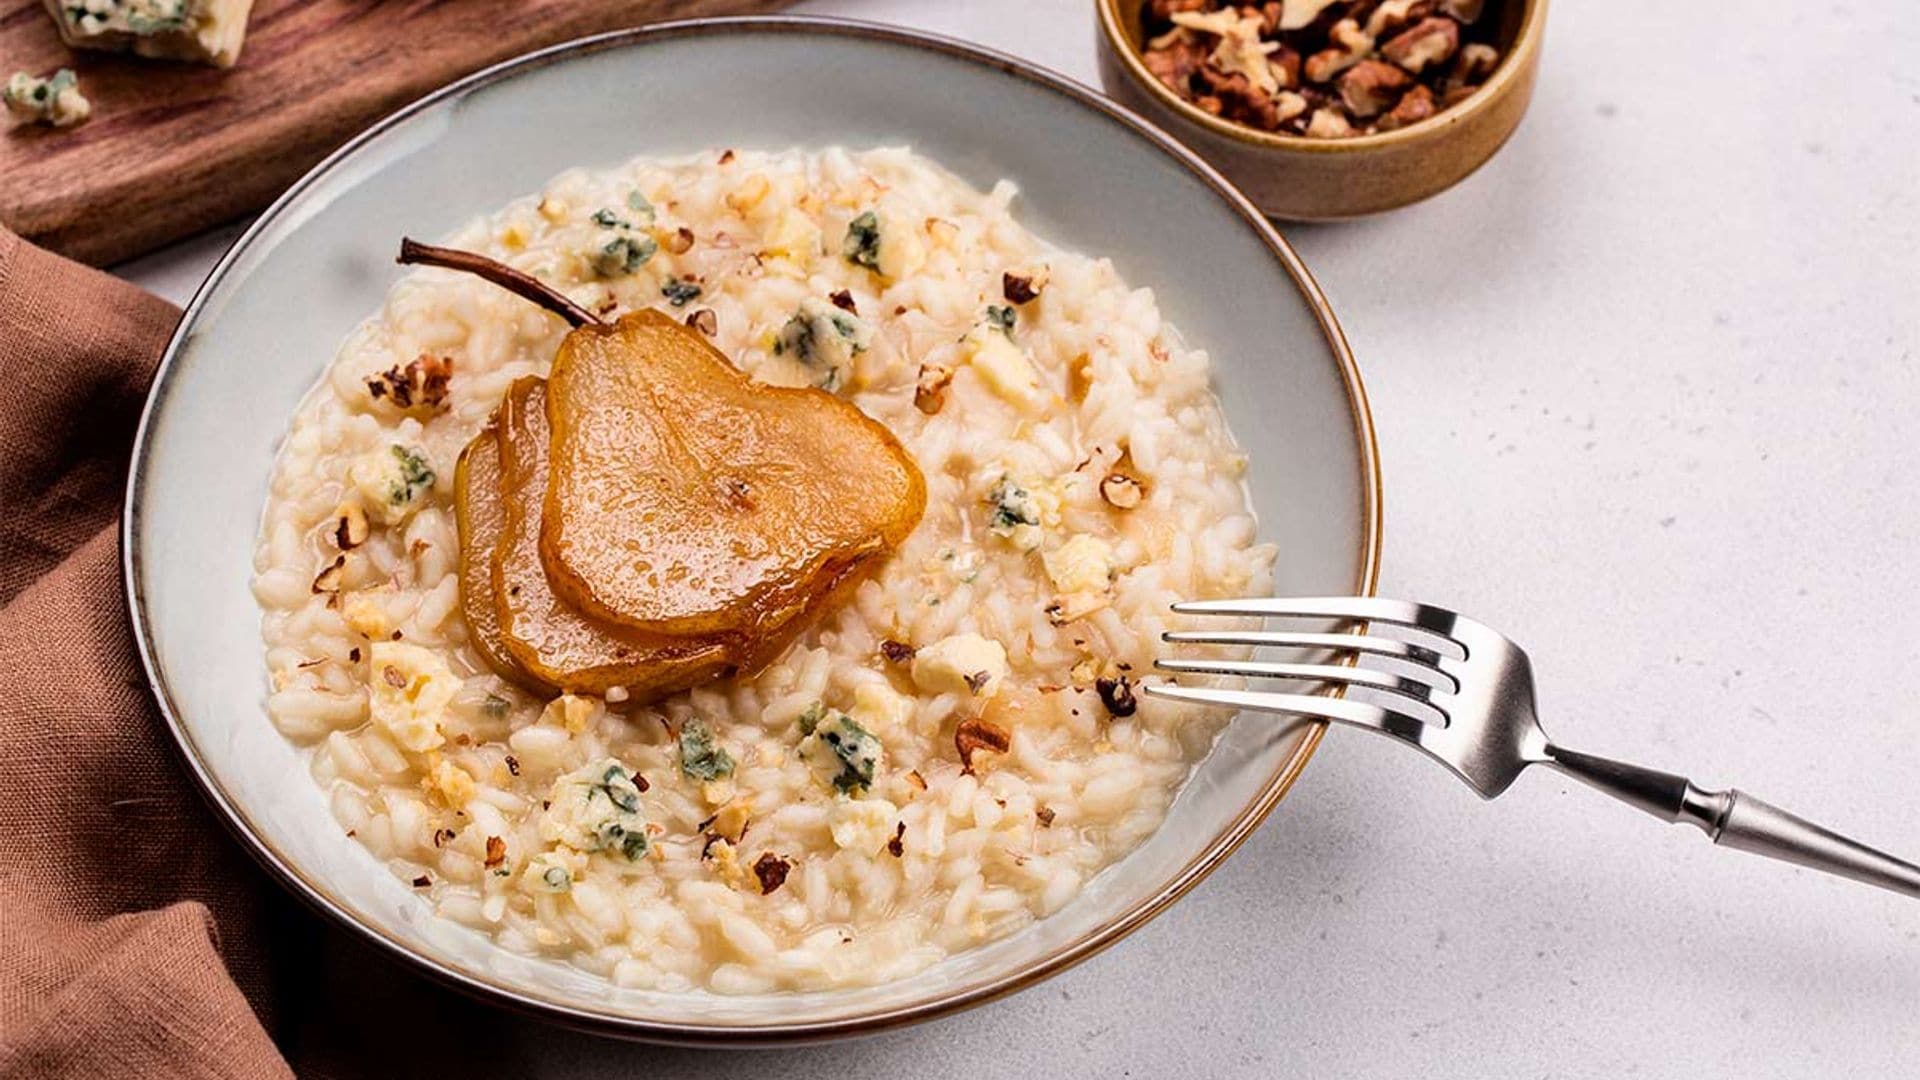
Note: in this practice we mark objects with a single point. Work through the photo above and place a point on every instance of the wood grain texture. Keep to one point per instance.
(173, 149)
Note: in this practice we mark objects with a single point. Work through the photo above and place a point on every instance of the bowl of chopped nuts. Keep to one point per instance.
(1328, 109)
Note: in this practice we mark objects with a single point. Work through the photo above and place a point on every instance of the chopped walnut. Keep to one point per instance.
(1299, 14)
(496, 851)
(975, 734)
(1415, 105)
(1240, 50)
(1117, 695)
(1023, 287)
(772, 871)
(896, 652)
(1371, 87)
(330, 578)
(1329, 123)
(930, 391)
(1347, 46)
(1243, 62)
(349, 528)
(1392, 16)
(420, 387)
(1431, 41)
(1175, 59)
(1122, 492)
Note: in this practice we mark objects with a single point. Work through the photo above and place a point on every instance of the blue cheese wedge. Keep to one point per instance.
(202, 31)
(55, 100)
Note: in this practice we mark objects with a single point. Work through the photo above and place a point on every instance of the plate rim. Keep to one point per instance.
(607, 1022)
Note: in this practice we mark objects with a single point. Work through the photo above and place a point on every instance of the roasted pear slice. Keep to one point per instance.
(538, 630)
(482, 517)
(686, 498)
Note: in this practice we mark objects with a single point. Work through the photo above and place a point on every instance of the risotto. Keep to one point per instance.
(945, 758)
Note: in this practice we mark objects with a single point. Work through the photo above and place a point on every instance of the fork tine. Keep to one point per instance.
(1358, 713)
(1331, 673)
(1294, 639)
(1357, 608)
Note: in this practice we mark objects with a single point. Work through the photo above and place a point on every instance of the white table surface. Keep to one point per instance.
(1645, 390)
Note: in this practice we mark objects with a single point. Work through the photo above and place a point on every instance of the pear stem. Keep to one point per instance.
(412, 252)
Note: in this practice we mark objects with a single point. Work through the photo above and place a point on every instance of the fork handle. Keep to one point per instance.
(1737, 820)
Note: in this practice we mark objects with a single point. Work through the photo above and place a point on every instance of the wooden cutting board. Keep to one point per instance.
(173, 149)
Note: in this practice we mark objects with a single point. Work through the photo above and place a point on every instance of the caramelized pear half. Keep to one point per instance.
(686, 498)
(539, 631)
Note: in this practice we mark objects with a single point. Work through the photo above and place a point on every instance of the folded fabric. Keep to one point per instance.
(132, 938)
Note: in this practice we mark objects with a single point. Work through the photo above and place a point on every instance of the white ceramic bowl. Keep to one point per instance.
(1092, 177)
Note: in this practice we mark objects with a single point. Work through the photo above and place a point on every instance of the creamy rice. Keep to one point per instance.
(478, 820)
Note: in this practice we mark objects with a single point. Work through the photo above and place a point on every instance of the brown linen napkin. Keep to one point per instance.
(132, 929)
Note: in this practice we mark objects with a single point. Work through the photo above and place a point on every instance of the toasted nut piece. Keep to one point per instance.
(1328, 123)
(677, 242)
(930, 392)
(1287, 105)
(1415, 105)
(1286, 66)
(1371, 87)
(771, 869)
(419, 388)
(1347, 46)
(1392, 16)
(329, 580)
(749, 195)
(1121, 491)
(704, 321)
(349, 529)
(975, 734)
(1432, 40)
(1174, 58)
(1297, 14)
(1117, 695)
(1024, 287)
(1471, 66)
(1466, 11)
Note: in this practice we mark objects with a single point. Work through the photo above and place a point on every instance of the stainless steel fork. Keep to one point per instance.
(1464, 694)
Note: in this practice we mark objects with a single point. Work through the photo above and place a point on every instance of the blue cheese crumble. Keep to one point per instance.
(824, 339)
(839, 751)
(391, 480)
(597, 808)
(55, 100)
(624, 246)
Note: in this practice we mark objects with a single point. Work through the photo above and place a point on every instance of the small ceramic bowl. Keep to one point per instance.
(1302, 179)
